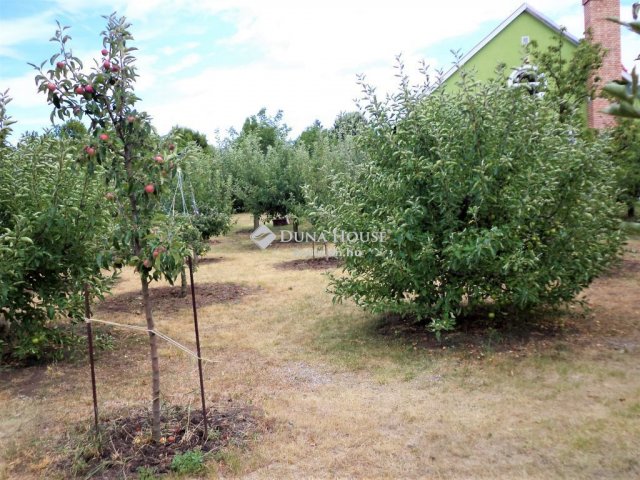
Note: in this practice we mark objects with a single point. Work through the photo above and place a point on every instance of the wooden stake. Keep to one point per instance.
(87, 314)
(195, 324)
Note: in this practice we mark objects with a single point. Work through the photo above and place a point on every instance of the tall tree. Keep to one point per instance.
(311, 136)
(348, 124)
(568, 76)
(626, 135)
(268, 130)
(183, 135)
(626, 91)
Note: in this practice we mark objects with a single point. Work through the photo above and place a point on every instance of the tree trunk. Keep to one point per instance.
(183, 282)
(296, 225)
(155, 366)
(631, 211)
(256, 221)
(153, 341)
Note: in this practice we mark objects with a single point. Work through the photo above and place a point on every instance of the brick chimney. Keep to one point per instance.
(607, 34)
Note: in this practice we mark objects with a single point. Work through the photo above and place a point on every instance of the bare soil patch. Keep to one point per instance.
(210, 260)
(310, 263)
(167, 298)
(125, 444)
(628, 267)
(476, 335)
(279, 244)
(23, 382)
(610, 318)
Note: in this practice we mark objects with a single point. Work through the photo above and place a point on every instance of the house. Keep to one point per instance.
(508, 41)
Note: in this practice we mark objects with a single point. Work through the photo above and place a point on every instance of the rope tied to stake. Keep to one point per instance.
(155, 332)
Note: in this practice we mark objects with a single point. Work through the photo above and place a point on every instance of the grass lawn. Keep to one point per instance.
(346, 394)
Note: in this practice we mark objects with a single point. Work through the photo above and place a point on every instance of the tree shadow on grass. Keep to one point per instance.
(404, 345)
(482, 331)
(168, 298)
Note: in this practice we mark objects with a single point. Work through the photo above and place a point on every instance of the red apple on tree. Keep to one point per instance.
(110, 196)
(172, 147)
(131, 119)
(106, 64)
(79, 90)
(149, 188)
(147, 263)
(104, 137)
(89, 88)
(60, 65)
(52, 87)
(115, 67)
(104, 52)
(90, 151)
(159, 159)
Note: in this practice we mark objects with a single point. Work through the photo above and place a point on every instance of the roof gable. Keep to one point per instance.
(524, 8)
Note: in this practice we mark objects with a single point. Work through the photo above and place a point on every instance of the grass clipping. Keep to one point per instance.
(124, 443)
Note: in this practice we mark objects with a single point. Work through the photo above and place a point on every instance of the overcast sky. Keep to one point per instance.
(208, 64)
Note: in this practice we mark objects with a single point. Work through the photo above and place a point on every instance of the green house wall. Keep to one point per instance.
(506, 47)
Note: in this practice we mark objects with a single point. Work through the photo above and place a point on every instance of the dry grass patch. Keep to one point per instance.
(351, 395)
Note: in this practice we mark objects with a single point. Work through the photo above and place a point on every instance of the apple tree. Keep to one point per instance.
(54, 220)
(138, 166)
(269, 130)
(625, 94)
(244, 160)
(568, 77)
(203, 189)
(200, 199)
(328, 157)
(487, 202)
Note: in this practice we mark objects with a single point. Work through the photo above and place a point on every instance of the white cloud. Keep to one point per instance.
(308, 53)
(23, 90)
(573, 23)
(18, 30)
(219, 98)
(342, 34)
(185, 62)
(310, 56)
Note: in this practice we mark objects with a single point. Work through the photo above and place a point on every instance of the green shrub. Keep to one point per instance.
(188, 463)
(53, 222)
(625, 152)
(146, 473)
(488, 200)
